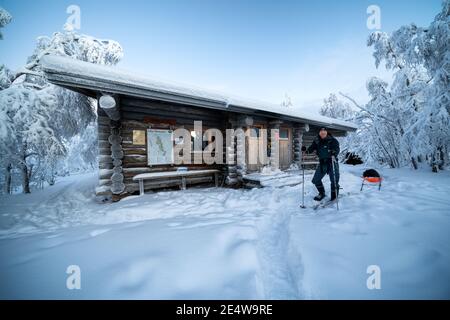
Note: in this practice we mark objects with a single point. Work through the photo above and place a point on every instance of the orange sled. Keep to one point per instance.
(371, 177)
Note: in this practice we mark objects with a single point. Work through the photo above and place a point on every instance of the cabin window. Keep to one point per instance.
(196, 137)
(254, 132)
(284, 133)
(139, 137)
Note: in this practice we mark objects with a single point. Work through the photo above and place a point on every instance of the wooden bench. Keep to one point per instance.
(174, 174)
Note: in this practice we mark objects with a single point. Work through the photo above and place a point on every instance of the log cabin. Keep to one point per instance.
(135, 113)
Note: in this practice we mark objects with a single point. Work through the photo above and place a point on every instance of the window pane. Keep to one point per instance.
(284, 133)
(254, 132)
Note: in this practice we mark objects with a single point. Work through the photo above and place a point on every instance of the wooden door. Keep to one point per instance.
(253, 146)
(285, 147)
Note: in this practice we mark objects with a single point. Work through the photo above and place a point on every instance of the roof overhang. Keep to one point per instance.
(92, 80)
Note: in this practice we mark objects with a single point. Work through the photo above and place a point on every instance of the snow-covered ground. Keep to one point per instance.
(225, 243)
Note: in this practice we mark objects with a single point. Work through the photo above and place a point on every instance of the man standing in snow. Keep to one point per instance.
(327, 148)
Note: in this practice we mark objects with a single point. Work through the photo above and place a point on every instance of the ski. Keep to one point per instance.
(324, 204)
(327, 202)
(319, 203)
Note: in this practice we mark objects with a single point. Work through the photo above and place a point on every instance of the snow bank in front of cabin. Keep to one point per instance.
(226, 243)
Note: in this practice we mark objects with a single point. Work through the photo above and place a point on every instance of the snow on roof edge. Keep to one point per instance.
(74, 68)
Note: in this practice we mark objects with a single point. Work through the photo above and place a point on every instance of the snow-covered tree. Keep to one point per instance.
(81, 155)
(420, 58)
(287, 101)
(27, 114)
(5, 18)
(6, 77)
(334, 108)
(408, 121)
(30, 102)
(74, 45)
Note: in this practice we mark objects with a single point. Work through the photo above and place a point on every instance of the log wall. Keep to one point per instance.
(140, 114)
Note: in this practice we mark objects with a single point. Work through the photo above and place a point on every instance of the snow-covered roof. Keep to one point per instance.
(80, 75)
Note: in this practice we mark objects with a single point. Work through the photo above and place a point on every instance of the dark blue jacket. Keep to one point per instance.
(325, 148)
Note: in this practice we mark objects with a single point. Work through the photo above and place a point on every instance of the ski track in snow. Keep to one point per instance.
(281, 267)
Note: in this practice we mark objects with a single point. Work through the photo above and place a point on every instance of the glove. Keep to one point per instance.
(333, 155)
(303, 148)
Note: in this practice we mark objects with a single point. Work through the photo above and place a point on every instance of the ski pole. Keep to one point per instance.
(303, 184)
(335, 185)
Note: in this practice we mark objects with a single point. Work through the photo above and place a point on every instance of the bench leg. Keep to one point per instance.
(141, 187)
(183, 183)
(216, 179)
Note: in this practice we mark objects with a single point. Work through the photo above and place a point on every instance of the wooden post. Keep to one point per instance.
(241, 123)
(275, 143)
(297, 143)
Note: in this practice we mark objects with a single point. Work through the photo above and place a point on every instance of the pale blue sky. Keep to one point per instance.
(252, 48)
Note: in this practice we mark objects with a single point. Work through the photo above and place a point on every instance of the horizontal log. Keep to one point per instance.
(134, 164)
(127, 149)
(127, 153)
(104, 135)
(154, 106)
(167, 117)
(180, 122)
(134, 158)
(103, 165)
(104, 182)
(104, 159)
(103, 121)
(132, 124)
(138, 170)
(105, 173)
(104, 144)
(103, 128)
(104, 151)
(127, 141)
(102, 191)
(128, 132)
